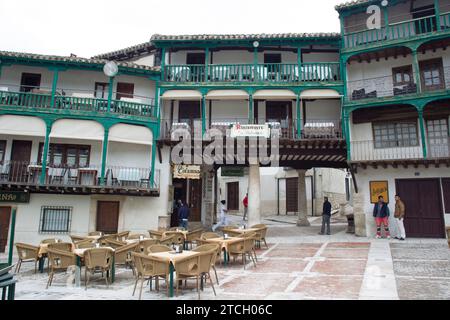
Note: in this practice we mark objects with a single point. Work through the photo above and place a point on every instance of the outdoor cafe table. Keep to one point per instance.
(243, 231)
(224, 245)
(42, 253)
(80, 253)
(130, 241)
(172, 258)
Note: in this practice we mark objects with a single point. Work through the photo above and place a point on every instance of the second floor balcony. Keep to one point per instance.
(256, 73)
(77, 101)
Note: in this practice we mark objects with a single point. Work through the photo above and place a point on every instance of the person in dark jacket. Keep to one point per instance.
(381, 214)
(177, 204)
(183, 216)
(326, 216)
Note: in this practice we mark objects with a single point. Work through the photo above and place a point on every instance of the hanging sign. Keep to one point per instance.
(250, 130)
(181, 171)
(15, 197)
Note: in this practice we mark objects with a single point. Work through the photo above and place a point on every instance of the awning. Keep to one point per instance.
(274, 95)
(130, 134)
(22, 126)
(227, 95)
(181, 95)
(320, 94)
(77, 129)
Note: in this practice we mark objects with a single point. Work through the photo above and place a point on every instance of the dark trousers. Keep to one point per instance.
(325, 221)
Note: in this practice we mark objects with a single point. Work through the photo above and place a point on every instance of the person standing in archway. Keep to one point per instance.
(245, 203)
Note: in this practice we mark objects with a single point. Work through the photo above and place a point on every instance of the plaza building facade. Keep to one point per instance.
(90, 151)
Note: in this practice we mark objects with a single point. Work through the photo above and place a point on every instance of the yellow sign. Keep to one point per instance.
(181, 171)
(379, 188)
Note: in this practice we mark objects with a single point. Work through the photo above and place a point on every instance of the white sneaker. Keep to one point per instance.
(378, 237)
(388, 237)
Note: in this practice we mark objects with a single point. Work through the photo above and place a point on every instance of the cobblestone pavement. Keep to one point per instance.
(299, 264)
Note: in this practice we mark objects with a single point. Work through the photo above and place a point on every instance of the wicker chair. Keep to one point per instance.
(147, 268)
(97, 259)
(196, 267)
(27, 253)
(45, 241)
(144, 244)
(179, 236)
(122, 255)
(154, 234)
(251, 235)
(59, 260)
(261, 234)
(242, 248)
(122, 236)
(85, 244)
(113, 243)
(95, 233)
(210, 235)
(61, 246)
(176, 229)
(77, 238)
(169, 240)
(193, 236)
(158, 248)
(208, 247)
(136, 236)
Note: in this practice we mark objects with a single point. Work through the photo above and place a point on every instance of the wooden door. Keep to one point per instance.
(446, 193)
(281, 112)
(5, 216)
(20, 159)
(195, 200)
(233, 195)
(30, 81)
(124, 90)
(424, 216)
(291, 195)
(108, 216)
(189, 113)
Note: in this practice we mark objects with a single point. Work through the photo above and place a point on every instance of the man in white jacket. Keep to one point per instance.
(223, 221)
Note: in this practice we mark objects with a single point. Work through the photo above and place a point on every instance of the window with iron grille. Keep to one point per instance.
(55, 219)
(391, 135)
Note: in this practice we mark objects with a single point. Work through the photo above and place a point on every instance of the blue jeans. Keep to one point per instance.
(184, 223)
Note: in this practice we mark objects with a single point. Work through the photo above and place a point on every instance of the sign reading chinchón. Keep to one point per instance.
(15, 197)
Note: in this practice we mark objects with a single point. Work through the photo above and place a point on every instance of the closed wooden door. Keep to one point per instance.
(108, 216)
(5, 216)
(233, 196)
(20, 159)
(424, 217)
(195, 200)
(292, 195)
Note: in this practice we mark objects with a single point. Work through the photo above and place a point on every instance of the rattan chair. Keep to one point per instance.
(208, 247)
(196, 267)
(147, 268)
(113, 243)
(158, 248)
(242, 248)
(136, 236)
(85, 244)
(154, 234)
(261, 234)
(27, 253)
(122, 255)
(97, 260)
(61, 246)
(122, 236)
(77, 238)
(179, 236)
(144, 244)
(95, 233)
(59, 260)
(169, 240)
(193, 236)
(176, 229)
(54, 240)
(210, 235)
(251, 235)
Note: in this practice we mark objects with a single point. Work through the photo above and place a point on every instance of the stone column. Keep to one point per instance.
(360, 216)
(254, 196)
(302, 205)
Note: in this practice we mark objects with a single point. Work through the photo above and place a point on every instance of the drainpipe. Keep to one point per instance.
(278, 196)
(313, 191)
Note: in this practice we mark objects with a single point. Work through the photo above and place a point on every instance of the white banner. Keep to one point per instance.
(250, 130)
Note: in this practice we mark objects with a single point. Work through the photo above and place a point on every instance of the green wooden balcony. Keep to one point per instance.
(272, 73)
(61, 103)
(406, 30)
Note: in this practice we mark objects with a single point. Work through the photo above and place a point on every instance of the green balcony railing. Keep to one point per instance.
(402, 30)
(273, 72)
(44, 101)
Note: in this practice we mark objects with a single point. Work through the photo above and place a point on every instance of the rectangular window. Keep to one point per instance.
(195, 58)
(2, 150)
(272, 58)
(66, 155)
(55, 219)
(432, 74)
(30, 81)
(402, 75)
(124, 90)
(101, 90)
(395, 134)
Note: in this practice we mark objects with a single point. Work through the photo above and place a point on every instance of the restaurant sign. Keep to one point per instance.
(250, 130)
(232, 171)
(15, 197)
(181, 171)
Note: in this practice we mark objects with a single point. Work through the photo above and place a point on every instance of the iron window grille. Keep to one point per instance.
(55, 219)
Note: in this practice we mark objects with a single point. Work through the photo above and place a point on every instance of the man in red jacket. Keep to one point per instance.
(245, 202)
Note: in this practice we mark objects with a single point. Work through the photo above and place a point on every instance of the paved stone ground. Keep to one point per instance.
(299, 264)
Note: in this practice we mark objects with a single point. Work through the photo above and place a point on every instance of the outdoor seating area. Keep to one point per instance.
(170, 257)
